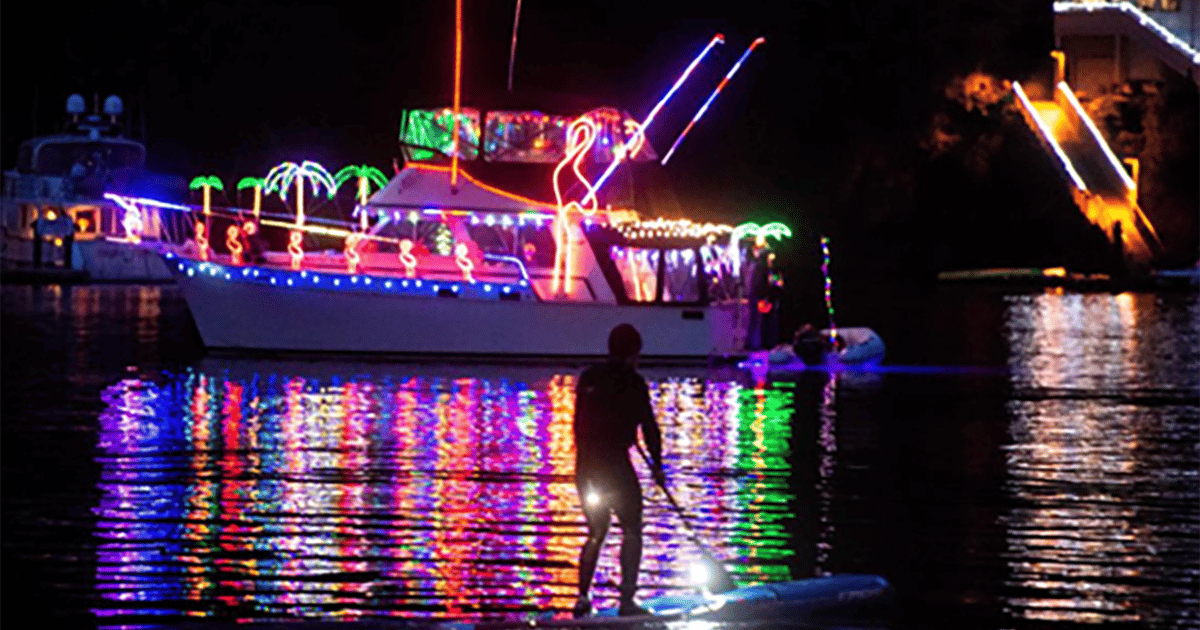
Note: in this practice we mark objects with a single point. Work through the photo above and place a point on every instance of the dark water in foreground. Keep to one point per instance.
(1026, 461)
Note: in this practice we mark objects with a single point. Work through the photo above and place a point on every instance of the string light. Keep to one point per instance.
(641, 131)
(1141, 16)
(300, 280)
(670, 228)
(712, 97)
(828, 291)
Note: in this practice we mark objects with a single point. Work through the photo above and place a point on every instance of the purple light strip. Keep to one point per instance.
(712, 97)
(717, 39)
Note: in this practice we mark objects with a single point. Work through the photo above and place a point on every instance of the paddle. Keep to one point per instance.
(718, 578)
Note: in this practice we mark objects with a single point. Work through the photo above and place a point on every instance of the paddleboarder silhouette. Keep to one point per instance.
(611, 402)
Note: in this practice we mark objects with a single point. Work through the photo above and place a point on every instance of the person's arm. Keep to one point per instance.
(652, 436)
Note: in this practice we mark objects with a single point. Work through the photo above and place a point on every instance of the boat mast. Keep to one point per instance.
(512, 53)
(457, 93)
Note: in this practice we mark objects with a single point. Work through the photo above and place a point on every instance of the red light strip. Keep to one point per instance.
(457, 89)
(712, 97)
(492, 189)
(641, 132)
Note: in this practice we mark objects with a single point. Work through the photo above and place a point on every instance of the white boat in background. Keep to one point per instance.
(54, 213)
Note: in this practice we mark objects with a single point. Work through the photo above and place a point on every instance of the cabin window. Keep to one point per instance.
(426, 134)
(528, 137)
(639, 271)
(86, 158)
(681, 281)
(532, 242)
(534, 137)
(429, 235)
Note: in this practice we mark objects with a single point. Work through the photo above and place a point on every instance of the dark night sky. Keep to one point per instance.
(234, 87)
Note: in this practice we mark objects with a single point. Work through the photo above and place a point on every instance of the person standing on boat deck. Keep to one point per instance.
(611, 402)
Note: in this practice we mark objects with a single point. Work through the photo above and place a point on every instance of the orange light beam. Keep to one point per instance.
(457, 90)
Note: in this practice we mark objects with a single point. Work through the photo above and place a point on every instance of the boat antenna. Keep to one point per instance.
(512, 53)
(457, 94)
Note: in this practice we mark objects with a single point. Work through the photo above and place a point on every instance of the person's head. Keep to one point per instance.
(624, 343)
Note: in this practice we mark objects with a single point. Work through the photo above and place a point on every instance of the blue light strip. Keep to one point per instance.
(146, 202)
(641, 130)
(514, 260)
(358, 283)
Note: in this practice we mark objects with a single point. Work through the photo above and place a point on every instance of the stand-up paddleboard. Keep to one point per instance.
(839, 594)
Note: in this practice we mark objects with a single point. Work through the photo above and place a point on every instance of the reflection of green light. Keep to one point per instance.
(763, 444)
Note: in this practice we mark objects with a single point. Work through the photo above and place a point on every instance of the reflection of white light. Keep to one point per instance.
(593, 498)
(699, 574)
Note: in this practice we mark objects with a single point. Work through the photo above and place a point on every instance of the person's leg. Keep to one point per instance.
(598, 516)
(629, 515)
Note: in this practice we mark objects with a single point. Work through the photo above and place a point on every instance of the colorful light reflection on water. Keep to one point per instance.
(1102, 461)
(248, 492)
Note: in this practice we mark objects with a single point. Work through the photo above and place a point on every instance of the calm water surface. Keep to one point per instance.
(1022, 461)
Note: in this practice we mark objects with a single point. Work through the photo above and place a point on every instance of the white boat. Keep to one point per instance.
(54, 213)
(858, 346)
(445, 267)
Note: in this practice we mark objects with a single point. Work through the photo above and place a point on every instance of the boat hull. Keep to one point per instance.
(255, 316)
(109, 261)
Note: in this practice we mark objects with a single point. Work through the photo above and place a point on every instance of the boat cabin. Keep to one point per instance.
(609, 254)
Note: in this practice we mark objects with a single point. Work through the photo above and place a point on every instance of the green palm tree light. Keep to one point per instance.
(283, 175)
(760, 234)
(207, 183)
(366, 175)
(257, 183)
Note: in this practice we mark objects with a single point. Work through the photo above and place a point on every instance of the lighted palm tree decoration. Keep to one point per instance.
(760, 234)
(257, 183)
(280, 180)
(205, 183)
(366, 175)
